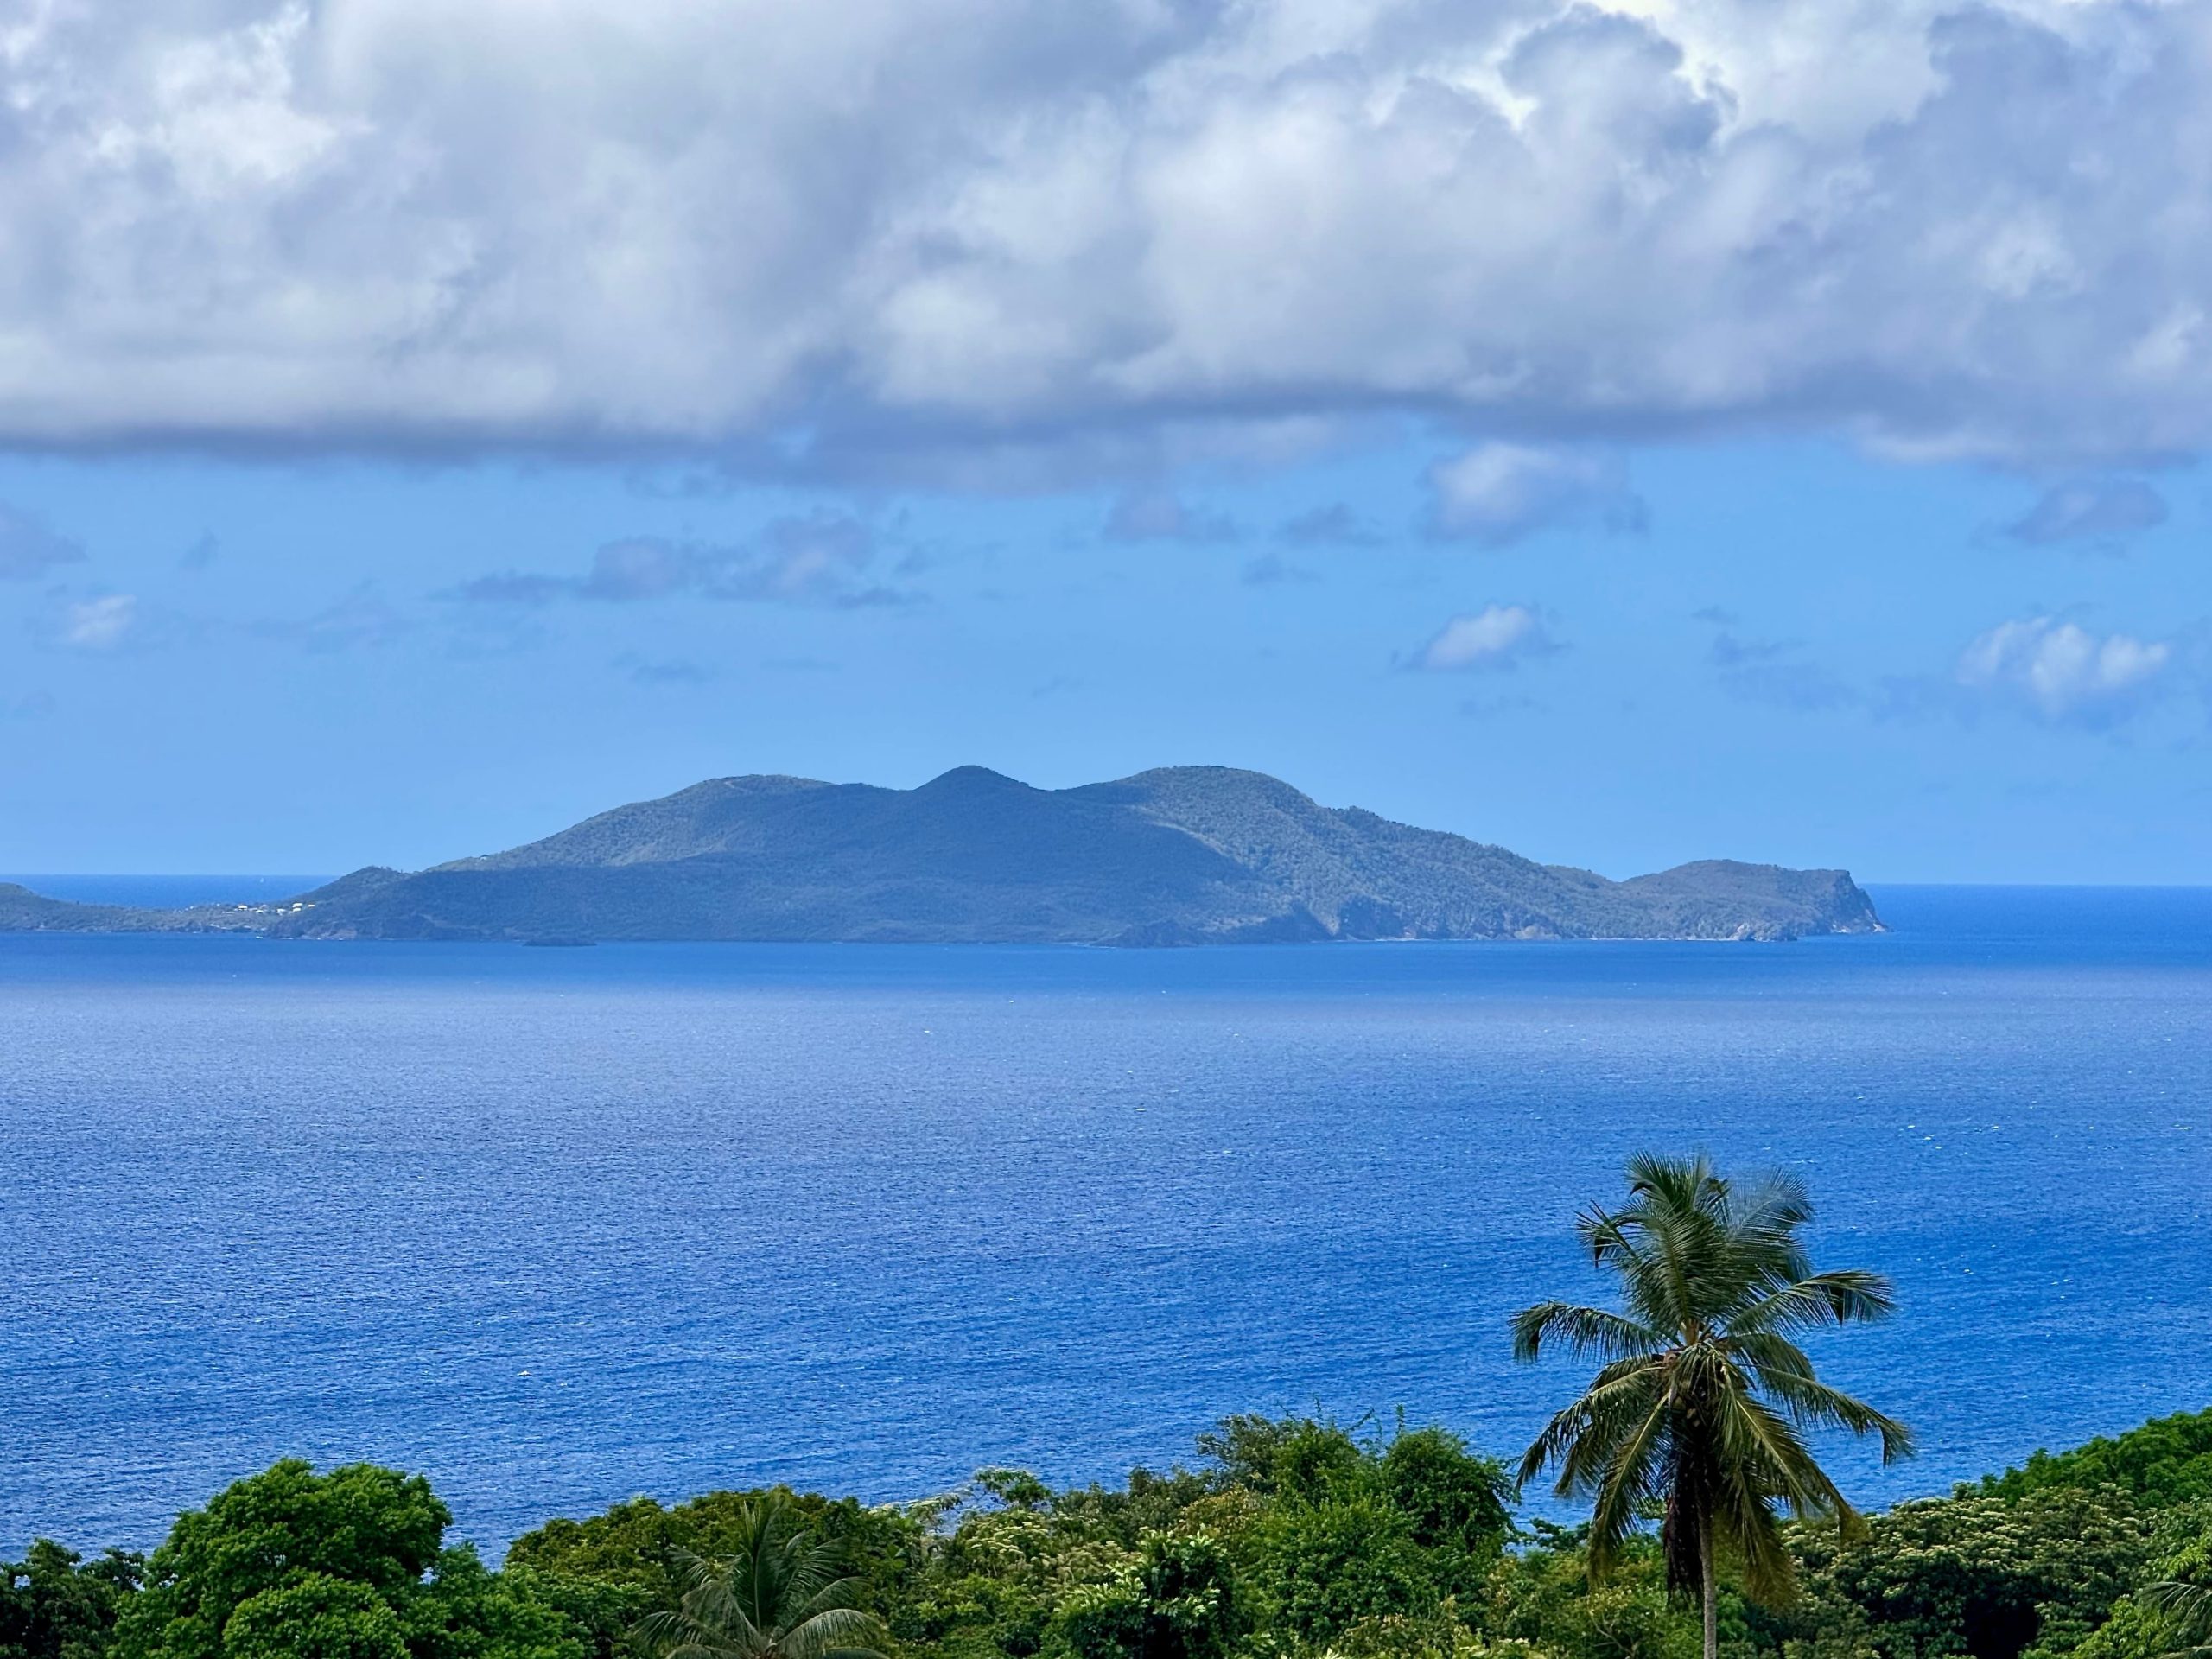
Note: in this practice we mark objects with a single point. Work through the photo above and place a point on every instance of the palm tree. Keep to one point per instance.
(780, 1596)
(1702, 1401)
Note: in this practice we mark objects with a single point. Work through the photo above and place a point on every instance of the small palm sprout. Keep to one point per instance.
(2187, 1610)
(1702, 1401)
(780, 1596)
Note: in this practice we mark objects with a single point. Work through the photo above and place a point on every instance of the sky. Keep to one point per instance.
(1628, 434)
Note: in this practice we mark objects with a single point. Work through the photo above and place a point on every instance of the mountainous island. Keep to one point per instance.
(1180, 855)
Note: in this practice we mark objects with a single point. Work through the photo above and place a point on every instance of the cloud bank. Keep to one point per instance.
(804, 234)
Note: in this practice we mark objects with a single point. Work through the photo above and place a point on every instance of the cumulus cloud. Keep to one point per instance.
(2060, 671)
(1496, 493)
(838, 231)
(1495, 636)
(99, 624)
(821, 558)
(28, 550)
(2097, 510)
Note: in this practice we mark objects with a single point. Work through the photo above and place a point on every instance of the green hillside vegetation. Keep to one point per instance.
(1294, 1537)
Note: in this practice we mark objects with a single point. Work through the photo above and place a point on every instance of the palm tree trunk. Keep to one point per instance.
(1712, 1598)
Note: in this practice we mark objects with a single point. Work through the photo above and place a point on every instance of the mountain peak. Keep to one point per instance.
(974, 780)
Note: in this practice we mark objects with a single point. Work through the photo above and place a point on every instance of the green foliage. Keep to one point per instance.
(1192, 1609)
(360, 1525)
(1103, 1621)
(1293, 1538)
(315, 1616)
(342, 1565)
(2168, 1461)
(1324, 1567)
(634, 1549)
(1179, 1600)
(55, 1605)
(1433, 1636)
(1974, 1576)
(2166, 1613)
(1453, 1503)
(599, 1614)
(780, 1593)
(1291, 1457)
(467, 1612)
(1544, 1598)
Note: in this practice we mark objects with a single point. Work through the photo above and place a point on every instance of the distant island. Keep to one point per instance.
(1177, 856)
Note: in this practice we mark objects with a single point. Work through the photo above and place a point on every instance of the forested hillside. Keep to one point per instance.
(1293, 1538)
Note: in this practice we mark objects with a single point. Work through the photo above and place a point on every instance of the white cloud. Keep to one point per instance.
(825, 231)
(1498, 492)
(1495, 636)
(2060, 671)
(99, 624)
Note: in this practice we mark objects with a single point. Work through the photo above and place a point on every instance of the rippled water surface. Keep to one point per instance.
(556, 1226)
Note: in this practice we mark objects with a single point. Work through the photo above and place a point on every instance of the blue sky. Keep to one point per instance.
(1628, 432)
(1755, 649)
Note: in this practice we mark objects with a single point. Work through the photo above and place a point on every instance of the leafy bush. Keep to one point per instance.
(1326, 1566)
(54, 1605)
(2166, 1462)
(293, 1565)
(1974, 1576)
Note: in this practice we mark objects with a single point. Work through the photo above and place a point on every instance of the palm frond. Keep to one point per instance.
(833, 1631)
(1584, 1329)
(1632, 1476)
(2186, 1609)
(1816, 1300)
(1812, 1404)
(779, 1596)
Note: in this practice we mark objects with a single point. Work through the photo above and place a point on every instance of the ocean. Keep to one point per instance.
(556, 1227)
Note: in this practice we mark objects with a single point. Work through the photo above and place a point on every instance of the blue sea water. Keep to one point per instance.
(558, 1226)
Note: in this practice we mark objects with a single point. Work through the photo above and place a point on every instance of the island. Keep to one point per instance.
(1181, 856)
